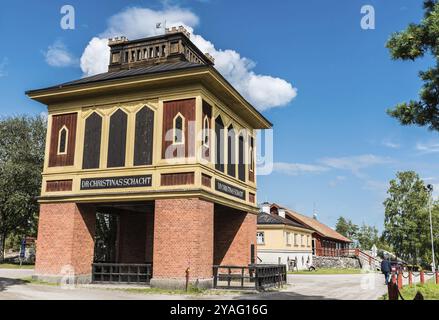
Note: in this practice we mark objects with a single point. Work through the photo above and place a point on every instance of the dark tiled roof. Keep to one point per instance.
(128, 73)
(265, 218)
(312, 223)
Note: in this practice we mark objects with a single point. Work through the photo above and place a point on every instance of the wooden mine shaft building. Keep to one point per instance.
(151, 163)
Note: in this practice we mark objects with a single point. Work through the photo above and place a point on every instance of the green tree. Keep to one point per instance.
(22, 141)
(342, 226)
(367, 236)
(347, 228)
(415, 42)
(406, 217)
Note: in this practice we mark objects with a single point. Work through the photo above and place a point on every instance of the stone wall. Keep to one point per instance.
(336, 263)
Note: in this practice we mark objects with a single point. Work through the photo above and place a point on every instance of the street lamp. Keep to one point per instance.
(430, 191)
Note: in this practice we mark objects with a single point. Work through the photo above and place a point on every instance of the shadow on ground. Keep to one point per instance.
(281, 296)
(7, 282)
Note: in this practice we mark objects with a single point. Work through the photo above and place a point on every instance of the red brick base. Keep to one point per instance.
(183, 238)
(135, 237)
(181, 234)
(235, 233)
(65, 243)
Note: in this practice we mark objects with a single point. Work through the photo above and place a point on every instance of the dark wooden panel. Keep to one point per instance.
(206, 180)
(117, 139)
(177, 179)
(219, 144)
(231, 152)
(58, 121)
(241, 160)
(251, 173)
(205, 149)
(59, 185)
(144, 135)
(92, 142)
(170, 110)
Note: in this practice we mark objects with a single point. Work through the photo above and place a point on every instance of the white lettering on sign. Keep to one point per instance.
(230, 190)
(116, 182)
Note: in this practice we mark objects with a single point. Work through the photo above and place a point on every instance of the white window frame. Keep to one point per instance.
(174, 128)
(287, 238)
(64, 127)
(262, 233)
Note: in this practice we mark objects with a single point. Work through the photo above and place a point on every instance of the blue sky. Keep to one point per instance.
(335, 147)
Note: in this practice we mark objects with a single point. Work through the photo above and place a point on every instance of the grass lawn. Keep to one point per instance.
(16, 266)
(328, 271)
(429, 290)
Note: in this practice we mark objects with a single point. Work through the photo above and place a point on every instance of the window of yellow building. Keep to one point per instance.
(260, 238)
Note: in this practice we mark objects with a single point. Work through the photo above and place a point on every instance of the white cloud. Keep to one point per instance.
(57, 55)
(96, 57)
(336, 181)
(429, 147)
(3, 64)
(391, 144)
(354, 163)
(294, 169)
(263, 91)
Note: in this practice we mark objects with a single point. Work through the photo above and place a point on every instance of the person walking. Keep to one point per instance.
(386, 269)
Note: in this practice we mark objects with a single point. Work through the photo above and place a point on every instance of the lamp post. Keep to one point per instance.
(430, 191)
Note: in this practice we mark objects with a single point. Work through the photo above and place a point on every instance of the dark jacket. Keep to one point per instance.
(386, 266)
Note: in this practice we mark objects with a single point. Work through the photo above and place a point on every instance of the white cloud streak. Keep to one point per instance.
(355, 163)
(390, 144)
(263, 91)
(429, 147)
(57, 55)
(294, 169)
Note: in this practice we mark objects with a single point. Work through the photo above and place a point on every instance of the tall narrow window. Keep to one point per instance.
(117, 139)
(231, 152)
(143, 143)
(92, 142)
(260, 238)
(178, 129)
(241, 162)
(251, 155)
(62, 140)
(219, 144)
(251, 160)
(206, 132)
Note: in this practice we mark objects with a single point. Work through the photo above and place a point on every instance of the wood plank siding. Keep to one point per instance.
(58, 122)
(177, 179)
(206, 180)
(170, 110)
(59, 185)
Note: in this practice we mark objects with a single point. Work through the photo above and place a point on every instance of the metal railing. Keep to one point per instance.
(256, 276)
(121, 273)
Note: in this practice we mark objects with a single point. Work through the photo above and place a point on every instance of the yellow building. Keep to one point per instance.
(163, 148)
(280, 240)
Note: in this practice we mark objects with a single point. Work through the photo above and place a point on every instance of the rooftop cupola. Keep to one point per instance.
(174, 46)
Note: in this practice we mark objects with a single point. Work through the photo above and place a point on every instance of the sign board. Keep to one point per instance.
(116, 182)
(229, 189)
(23, 249)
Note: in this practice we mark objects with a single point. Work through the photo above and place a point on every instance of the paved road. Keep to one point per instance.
(301, 287)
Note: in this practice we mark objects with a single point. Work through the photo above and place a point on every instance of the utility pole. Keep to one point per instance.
(430, 191)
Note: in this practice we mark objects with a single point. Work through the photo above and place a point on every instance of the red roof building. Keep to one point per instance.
(325, 240)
